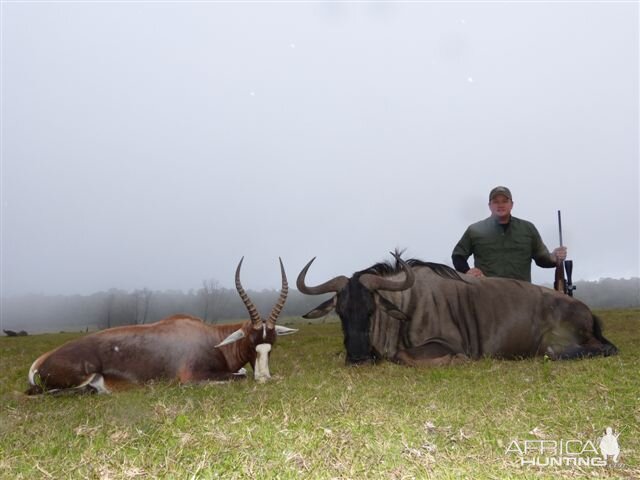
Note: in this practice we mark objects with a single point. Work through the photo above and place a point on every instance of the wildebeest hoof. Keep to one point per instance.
(459, 358)
(360, 362)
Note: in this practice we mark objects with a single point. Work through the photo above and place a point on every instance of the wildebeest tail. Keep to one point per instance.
(609, 348)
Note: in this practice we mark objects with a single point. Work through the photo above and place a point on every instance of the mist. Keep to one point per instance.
(152, 145)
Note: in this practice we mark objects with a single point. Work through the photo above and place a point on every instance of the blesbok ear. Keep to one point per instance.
(322, 309)
(234, 337)
(280, 330)
(391, 309)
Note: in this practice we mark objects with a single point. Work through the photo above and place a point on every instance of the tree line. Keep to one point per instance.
(214, 304)
(115, 307)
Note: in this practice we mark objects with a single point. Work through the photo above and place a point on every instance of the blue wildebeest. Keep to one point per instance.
(420, 313)
(180, 347)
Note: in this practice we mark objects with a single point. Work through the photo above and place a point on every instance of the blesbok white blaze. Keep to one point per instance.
(261, 373)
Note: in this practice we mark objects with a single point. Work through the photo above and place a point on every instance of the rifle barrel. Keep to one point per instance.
(560, 226)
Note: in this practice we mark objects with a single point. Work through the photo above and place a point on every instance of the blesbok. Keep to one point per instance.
(420, 313)
(180, 347)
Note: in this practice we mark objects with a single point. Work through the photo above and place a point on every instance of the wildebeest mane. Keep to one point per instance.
(444, 271)
(385, 269)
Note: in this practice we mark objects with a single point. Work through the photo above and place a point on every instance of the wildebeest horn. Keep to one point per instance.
(375, 282)
(251, 308)
(271, 321)
(334, 285)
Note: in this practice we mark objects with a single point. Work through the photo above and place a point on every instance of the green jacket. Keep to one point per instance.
(501, 252)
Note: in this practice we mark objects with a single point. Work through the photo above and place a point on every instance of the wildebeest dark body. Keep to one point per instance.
(421, 313)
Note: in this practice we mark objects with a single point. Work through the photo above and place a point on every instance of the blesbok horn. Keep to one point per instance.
(251, 308)
(334, 285)
(271, 321)
(376, 282)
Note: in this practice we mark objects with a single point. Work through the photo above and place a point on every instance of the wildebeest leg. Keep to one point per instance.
(406, 359)
(580, 351)
(433, 353)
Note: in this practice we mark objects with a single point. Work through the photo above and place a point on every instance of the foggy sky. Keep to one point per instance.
(154, 144)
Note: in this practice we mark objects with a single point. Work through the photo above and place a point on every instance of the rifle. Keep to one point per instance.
(561, 284)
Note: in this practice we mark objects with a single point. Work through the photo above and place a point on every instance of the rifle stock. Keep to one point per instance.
(560, 284)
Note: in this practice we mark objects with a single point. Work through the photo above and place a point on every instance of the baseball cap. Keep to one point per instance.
(500, 191)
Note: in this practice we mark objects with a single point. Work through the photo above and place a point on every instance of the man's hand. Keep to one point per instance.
(475, 272)
(559, 254)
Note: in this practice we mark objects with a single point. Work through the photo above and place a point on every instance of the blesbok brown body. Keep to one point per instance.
(180, 347)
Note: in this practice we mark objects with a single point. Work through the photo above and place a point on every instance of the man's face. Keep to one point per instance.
(500, 207)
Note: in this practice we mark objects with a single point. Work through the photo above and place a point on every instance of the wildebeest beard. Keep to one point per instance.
(355, 306)
(356, 300)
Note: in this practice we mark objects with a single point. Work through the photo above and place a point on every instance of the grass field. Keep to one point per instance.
(320, 419)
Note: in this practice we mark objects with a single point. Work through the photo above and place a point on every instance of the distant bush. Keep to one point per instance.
(610, 293)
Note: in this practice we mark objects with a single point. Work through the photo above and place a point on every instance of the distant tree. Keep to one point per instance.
(141, 302)
(610, 293)
(222, 299)
(119, 309)
(205, 293)
(109, 306)
(213, 298)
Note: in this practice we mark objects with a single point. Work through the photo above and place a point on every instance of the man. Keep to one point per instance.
(502, 245)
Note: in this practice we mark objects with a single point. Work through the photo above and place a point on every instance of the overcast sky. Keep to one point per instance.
(153, 144)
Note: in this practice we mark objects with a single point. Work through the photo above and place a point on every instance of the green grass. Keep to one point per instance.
(320, 419)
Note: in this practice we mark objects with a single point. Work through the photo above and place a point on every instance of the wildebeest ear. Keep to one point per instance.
(322, 309)
(391, 309)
